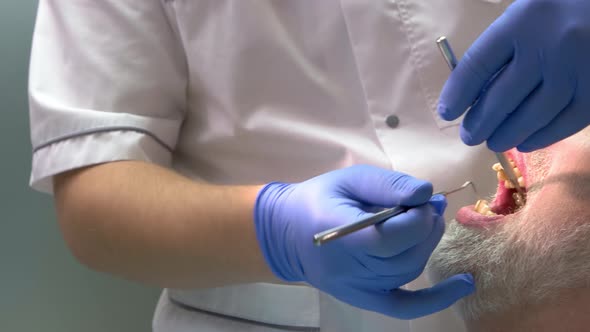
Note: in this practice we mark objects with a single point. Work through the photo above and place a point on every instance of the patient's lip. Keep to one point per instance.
(468, 217)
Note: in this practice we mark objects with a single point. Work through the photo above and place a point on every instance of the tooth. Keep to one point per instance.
(497, 167)
(518, 199)
(478, 205)
(502, 176)
(508, 184)
(490, 213)
(517, 172)
(521, 181)
(482, 206)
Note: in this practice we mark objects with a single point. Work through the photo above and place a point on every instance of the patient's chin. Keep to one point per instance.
(486, 253)
(514, 264)
(459, 251)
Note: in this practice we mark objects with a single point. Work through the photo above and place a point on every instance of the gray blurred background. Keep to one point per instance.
(42, 288)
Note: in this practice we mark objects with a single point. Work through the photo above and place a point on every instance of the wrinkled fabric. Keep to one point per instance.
(248, 92)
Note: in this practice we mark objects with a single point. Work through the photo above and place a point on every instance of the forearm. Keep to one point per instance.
(149, 224)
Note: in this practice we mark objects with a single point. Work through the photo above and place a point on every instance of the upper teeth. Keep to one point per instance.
(502, 175)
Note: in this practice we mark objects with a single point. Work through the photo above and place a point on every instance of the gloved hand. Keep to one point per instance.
(530, 74)
(366, 268)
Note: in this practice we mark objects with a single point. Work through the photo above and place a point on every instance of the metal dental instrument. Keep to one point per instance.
(340, 231)
(449, 56)
(447, 52)
(509, 171)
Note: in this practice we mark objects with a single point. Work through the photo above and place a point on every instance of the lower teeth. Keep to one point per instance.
(518, 199)
(482, 207)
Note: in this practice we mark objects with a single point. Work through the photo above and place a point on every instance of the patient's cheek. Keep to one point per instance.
(550, 209)
(537, 167)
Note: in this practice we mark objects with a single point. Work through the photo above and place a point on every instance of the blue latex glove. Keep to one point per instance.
(364, 269)
(539, 51)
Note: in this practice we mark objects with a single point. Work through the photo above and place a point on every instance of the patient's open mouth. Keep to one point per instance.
(505, 202)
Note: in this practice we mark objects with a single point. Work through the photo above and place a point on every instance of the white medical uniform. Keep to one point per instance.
(250, 91)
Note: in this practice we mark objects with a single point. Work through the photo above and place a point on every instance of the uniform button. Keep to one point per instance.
(392, 121)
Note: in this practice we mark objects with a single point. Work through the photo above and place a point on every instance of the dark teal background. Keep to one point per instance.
(42, 288)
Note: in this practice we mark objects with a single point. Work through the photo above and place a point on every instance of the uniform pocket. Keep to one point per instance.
(462, 21)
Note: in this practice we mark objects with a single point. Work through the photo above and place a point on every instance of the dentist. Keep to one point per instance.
(198, 145)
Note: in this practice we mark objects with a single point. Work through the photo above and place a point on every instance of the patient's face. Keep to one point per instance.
(551, 177)
(525, 255)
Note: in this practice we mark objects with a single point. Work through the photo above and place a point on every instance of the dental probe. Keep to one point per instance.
(510, 173)
(451, 60)
(340, 231)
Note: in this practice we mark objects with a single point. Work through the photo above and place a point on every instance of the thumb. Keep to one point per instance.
(439, 202)
(430, 300)
(376, 186)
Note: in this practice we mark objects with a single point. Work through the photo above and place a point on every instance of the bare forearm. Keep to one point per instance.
(147, 223)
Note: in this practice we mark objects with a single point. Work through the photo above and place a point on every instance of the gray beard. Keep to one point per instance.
(514, 263)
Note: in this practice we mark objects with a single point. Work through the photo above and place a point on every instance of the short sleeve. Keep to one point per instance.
(107, 82)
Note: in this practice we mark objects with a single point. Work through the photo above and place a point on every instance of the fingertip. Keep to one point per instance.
(459, 286)
(526, 147)
(496, 145)
(438, 198)
(468, 137)
(467, 277)
(439, 202)
(431, 300)
(419, 193)
(445, 113)
(534, 143)
(424, 189)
